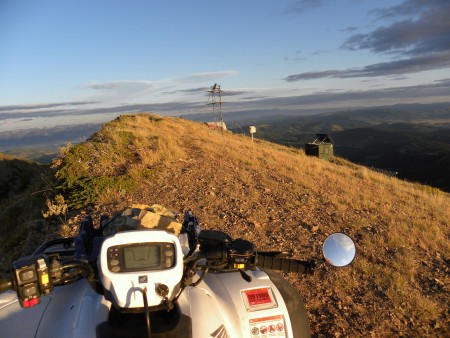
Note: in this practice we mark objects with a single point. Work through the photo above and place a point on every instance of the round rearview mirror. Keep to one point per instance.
(339, 249)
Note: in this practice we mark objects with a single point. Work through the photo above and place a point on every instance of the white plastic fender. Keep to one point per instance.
(73, 310)
(218, 307)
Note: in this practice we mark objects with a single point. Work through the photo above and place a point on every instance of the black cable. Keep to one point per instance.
(198, 281)
(192, 249)
(147, 311)
(83, 266)
(66, 242)
(69, 277)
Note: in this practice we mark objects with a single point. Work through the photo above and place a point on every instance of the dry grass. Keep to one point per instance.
(281, 199)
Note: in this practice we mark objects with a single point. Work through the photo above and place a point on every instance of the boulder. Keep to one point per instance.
(140, 216)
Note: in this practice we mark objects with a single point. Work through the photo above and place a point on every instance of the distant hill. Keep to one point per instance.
(406, 140)
(38, 154)
(417, 153)
(280, 199)
(42, 144)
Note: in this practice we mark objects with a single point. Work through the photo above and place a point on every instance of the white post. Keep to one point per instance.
(252, 130)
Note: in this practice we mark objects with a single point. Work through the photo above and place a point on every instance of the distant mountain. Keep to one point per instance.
(417, 153)
(286, 126)
(413, 140)
(42, 144)
(38, 154)
(411, 113)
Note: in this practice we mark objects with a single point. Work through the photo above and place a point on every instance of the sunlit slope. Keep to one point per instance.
(281, 199)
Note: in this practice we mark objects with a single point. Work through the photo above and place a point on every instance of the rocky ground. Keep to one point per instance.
(269, 209)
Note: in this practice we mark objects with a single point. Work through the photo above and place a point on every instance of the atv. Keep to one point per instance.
(109, 282)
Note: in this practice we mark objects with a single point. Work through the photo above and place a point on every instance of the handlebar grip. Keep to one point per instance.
(6, 284)
(282, 264)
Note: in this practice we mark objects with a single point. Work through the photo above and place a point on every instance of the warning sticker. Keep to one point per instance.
(272, 326)
(258, 299)
(258, 296)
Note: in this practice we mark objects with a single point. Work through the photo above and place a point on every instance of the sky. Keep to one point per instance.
(80, 61)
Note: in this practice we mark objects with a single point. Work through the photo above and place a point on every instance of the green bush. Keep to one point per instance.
(113, 160)
(85, 190)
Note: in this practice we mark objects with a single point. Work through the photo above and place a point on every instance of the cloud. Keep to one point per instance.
(254, 97)
(312, 75)
(350, 29)
(301, 6)
(235, 92)
(125, 96)
(396, 67)
(101, 86)
(437, 91)
(297, 58)
(293, 59)
(204, 90)
(34, 107)
(187, 91)
(207, 76)
(131, 91)
(119, 85)
(407, 8)
(418, 39)
(425, 31)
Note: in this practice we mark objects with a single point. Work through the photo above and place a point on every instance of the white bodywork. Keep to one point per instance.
(69, 311)
(223, 305)
(216, 307)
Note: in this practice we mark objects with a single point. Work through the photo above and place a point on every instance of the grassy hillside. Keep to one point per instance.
(417, 153)
(414, 143)
(20, 207)
(280, 199)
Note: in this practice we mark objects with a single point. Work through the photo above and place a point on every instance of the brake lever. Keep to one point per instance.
(313, 264)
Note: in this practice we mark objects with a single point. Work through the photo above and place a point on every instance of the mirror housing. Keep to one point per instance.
(339, 249)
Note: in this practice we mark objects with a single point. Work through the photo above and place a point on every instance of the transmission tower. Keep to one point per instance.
(215, 102)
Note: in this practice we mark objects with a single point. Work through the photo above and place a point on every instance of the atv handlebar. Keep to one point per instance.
(209, 250)
(34, 276)
(286, 264)
(6, 284)
(223, 253)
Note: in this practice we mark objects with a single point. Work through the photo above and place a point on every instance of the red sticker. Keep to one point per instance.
(258, 296)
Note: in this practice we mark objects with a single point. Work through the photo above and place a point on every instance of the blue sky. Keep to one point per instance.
(66, 62)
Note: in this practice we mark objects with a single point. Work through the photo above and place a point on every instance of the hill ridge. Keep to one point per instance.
(281, 199)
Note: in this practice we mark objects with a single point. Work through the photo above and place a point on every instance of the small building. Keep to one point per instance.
(322, 147)
(217, 125)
